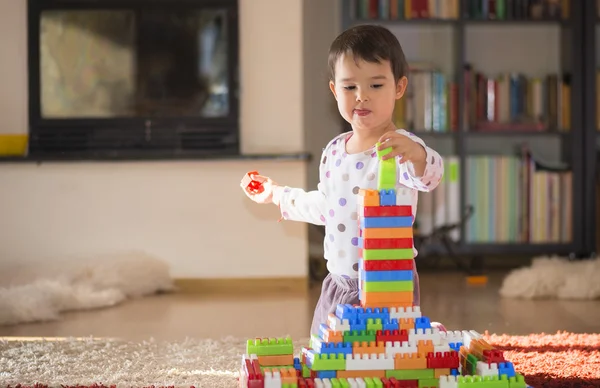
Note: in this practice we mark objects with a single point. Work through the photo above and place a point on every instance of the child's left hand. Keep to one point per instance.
(403, 146)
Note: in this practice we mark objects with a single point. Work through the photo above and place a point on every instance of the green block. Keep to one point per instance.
(403, 285)
(388, 254)
(305, 371)
(339, 382)
(329, 362)
(289, 385)
(428, 383)
(387, 170)
(374, 324)
(517, 381)
(411, 374)
(352, 336)
(270, 346)
(472, 364)
(483, 382)
(373, 382)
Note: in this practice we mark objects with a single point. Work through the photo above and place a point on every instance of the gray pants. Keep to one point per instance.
(338, 290)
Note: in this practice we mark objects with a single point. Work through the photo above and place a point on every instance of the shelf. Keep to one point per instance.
(522, 22)
(513, 133)
(409, 22)
(516, 248)
(412, 22)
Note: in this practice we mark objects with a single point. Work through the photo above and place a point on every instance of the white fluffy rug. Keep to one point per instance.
(554, 277)
(199, 363)
(41, 291)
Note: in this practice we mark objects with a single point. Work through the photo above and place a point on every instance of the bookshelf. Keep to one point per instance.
(591, 147)
(504, 83)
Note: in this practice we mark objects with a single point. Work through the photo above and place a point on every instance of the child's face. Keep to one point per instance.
(366, 92)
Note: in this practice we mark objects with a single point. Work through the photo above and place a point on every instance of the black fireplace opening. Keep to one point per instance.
(137, 79)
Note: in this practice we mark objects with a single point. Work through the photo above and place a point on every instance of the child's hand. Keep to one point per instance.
(266, 196)
(402, 146)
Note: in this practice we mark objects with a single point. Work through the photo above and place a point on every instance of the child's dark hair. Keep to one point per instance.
(370, 43)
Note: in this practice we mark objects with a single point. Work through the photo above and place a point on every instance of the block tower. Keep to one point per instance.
(385, 341)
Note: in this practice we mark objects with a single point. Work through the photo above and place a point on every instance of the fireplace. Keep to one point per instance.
(133, 78)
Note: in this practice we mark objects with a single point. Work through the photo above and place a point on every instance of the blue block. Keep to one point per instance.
(387, 276)
(326, 374)
(346, 311)
(297, 364)
(455, 346)
(358, 324)
(386, 222)
(374, 313)
(387, 198)
(392, 324)
(506, 368)
(422, 323)
(454, 372)
(332, 347)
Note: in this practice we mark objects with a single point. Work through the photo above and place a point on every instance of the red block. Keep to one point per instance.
(492, 356)
(386, 211)
(388, 265)
(443, 360)
(392, 382)
(391, 336)
(387, 243)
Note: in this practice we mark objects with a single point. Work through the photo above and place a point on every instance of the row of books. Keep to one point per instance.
(404, 9)
(510, 101)
(518, 9)
(450, 9)
(516, 199)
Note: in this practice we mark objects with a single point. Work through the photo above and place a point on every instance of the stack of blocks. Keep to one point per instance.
(385, 341)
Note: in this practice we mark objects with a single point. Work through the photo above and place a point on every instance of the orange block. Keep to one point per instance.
(288, 375)
(330, 336)
(360, 373)
(406, 323)
(387, 233)
(276, 360)
(425, 347)
(409, 361)
(392, 296)
(441, 372)
(368, 347)
(368, 197)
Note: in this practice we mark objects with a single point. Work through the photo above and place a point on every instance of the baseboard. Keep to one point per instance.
(243, 286)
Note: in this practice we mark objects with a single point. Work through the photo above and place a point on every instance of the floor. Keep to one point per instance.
(445, 298)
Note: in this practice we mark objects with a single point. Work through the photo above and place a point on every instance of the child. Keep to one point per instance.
(368, 73)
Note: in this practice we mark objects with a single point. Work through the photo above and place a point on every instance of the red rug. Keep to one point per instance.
(557, 360)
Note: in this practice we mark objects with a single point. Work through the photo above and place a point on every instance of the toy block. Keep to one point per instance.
(451, 336)
(276, 360)
(346, 311)
(406, 232)
(405, 297)
(337, 324)
(374, 324)
(252, 185)
(319, 362)
(385, 222)
(448, 382)
(404, 347)
(327, 374)
(270, 346)
(387, 175)
(386, 211)
(386, 254)
(448, 360)
(369, 362)
(372, 347)
(405, 312)
(391, 336)
(388, 276)
(332, 348)
(409, 361)
(272, 379)
(359, 336)
(329, 335)
(410, 374)
(368, 197)
(483, 382)
(386, 265)
(506, 369)
(441, 372)
(375, 313)
(393, 383)
(388, 286)
(387, 197)
(385, 243)
(485, 369)
(491, 355)
(424, 347)
(360, 374)
(517, 381)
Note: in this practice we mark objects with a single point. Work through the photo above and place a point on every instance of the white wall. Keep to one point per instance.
(191, 214)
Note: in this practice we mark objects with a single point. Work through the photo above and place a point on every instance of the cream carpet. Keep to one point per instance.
(83, 362)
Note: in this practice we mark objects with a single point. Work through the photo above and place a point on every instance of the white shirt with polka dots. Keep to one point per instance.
(334, 203)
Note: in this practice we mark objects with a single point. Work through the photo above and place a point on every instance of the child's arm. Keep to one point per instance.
(296, 204)
(421, 168)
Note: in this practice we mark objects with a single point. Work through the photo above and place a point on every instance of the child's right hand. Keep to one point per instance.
(266, 196)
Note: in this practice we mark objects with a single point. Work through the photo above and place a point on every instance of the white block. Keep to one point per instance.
(408, 312)
(442, 348)
(448, 382)
(369, 362)
(432, 335)
(468, 335)
(337, 324)
(397, 347)
(272, 379)
(485, 369)
(356, 382)
(451, 337)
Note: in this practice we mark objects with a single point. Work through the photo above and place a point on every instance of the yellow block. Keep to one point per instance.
(13, 145)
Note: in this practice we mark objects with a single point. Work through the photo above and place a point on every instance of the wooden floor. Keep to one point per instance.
(445, 298)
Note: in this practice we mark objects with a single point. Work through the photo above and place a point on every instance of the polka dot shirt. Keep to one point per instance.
(334, 203)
